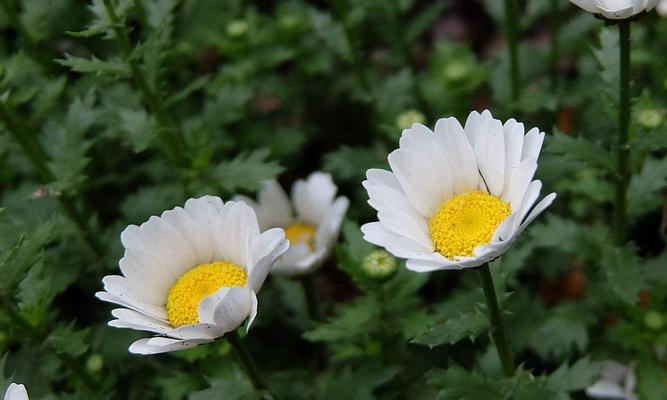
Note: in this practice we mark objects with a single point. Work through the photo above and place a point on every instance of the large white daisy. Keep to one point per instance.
(457, 197)
(616, 9)
(311, 220)
(16, 392)
(191, 274)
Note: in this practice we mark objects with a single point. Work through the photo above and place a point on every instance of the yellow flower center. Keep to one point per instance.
(193, 286)
(301, 233)
(465, 221)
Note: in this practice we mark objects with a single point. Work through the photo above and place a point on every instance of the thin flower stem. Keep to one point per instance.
(497, 330)
(170, 134)
(249, 364)
(622, 148)
(312, 298)
(512, 32)
(39, 159)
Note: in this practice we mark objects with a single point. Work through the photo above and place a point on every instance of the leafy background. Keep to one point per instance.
(109, 118)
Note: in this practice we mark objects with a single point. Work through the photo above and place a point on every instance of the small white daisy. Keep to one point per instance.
(16, 392)
(616, 9)
(191, 274)
(457, 197)
(311, 230)
(617, 382)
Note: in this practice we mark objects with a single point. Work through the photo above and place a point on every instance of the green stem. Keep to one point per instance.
(312, 297)
(169, 132)
(497, 330)
(39, 335)
(512, 32)
(622, 149)
(249, 364)
(39, 159)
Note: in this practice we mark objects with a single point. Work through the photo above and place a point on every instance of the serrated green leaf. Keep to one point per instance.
(246, 171)
(94, 65)
(350, 321)
(140, 127)
(579, 149)
(622, 272)
(645, 192)
(466, 325)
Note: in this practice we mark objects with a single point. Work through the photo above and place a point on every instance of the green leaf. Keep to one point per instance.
(424, 20)
(246, 171)
(607, 57)
(456, 384)
(358, 384)
(349, 321)
(351, 163)
(94, 65)
(570, 378)
(623, 276)
(65, 339)
(579, 149)
(235, 387)
(466, 325)
(645, 192)
(140, 127)
(565, 328)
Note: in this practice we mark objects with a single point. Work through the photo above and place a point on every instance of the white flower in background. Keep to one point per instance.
(662, 8)
(617, 382)
(616, 9)
(16, 392)
(311, 220)
(457, 197)
(192, 274)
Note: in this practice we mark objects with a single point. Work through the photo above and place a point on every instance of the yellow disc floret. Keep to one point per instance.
(301, 233)
(198, 283)
(465, 221)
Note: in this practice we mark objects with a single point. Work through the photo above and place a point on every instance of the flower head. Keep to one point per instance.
(617, 381)
(379, 265)
(457, 197)
(16, 392)
(191, 274)
(312, 229)
(616, 9)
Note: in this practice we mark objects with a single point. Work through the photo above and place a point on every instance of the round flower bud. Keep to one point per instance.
(409, 118)
(236, 29)
(455, 71)
(654, 320)
(650, 118)
(379, 265)
(94, 363)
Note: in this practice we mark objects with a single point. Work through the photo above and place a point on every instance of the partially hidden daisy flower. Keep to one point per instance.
(457, 197)
(311, 219)
(16, 392)
(191, 274)
(616, 382)
(616, 9)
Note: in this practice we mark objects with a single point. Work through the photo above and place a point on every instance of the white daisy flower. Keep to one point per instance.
(457, 197)
(16, 392)
(616, 9)
(311, 230)
(191, 274)
(617, 382)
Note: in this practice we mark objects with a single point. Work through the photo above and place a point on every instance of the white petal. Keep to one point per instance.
(235, 228)
(158, 345)
(420, 182)
(529, 199)
(141, 307)
(266, 248)
(275, 209)
(520, 179)
(199, 331)
(541, 206)
(588, 5)
(404, 224)
(197, 237)
(606, 390)
(157, 236)
(292, 261)
(455, 145)
(253, 311)
(135, 320)
(532, 144)
(312, 196)
(227, 308)
(400, 246)
(514, 134)
(490, 153)
(152, 273)
(127, 292)
(16, 392)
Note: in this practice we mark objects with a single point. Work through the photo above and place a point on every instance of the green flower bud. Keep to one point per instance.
(94, 363)
(379, 265)
(408, 118)
(654, 320)
(236, 29)
(455, 71)
(650, 118)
